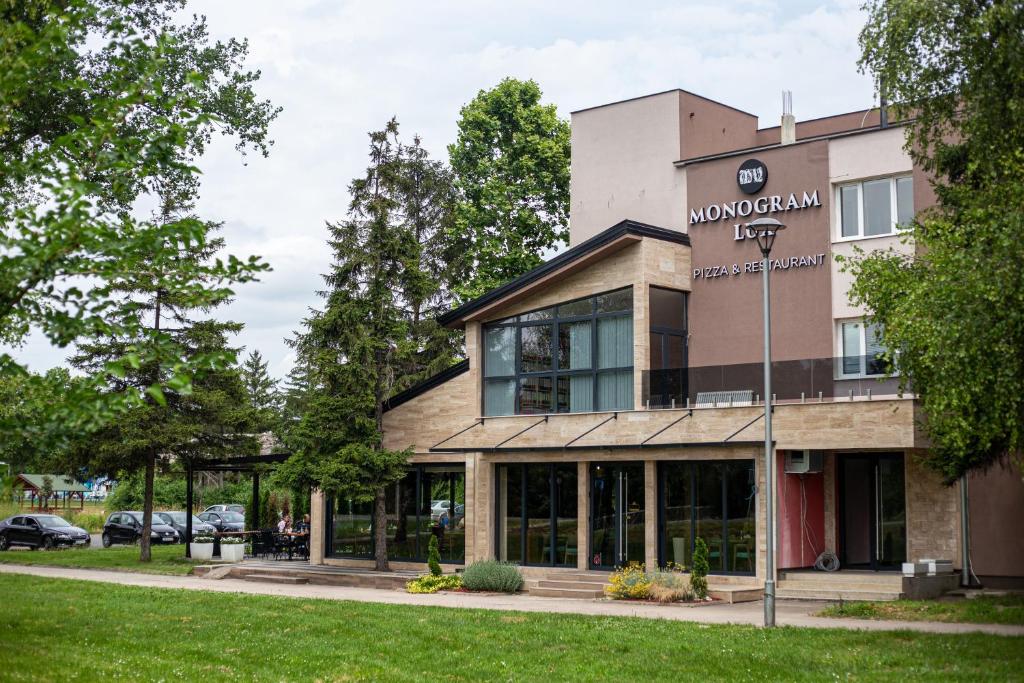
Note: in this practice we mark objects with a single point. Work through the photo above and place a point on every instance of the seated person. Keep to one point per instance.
(303, 526)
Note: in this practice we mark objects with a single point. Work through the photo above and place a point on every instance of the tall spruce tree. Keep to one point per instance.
(264, 395)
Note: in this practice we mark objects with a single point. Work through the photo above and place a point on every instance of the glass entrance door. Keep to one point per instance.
(873, 512)
(616, 514)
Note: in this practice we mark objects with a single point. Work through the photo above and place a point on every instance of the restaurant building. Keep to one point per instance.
(610, 408)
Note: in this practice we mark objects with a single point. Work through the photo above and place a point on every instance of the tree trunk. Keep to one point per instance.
(145, 554)
(380, 532)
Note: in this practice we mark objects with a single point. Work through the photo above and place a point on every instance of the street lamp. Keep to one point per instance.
(765, 231)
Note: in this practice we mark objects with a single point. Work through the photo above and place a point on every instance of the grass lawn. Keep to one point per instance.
(167, 559)
(987, 609)
(61, 630)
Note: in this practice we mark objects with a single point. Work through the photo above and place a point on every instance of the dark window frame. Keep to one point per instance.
(518, 322)
(524, 512)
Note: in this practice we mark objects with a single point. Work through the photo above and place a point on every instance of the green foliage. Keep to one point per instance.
(629, 583)
(169, 493)
(952, 311)
(699, 570)
(433, 557)
(263, 393)
(432, 584)
(494, 576)
(511, 165)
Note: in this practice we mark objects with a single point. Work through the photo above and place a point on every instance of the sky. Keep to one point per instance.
(340, 69)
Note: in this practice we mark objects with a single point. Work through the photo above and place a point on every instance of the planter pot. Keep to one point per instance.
(232, 552)
(201, 551)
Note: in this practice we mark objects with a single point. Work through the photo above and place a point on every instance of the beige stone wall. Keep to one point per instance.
(317, 510)
(933, 514)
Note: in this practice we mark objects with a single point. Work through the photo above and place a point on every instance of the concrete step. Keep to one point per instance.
(835, 595)
(571, 583)
(894, 580)
(571, 593)
(732, 594)
(276, 578)
(840, 586)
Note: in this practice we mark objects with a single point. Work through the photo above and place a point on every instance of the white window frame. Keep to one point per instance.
(893, 207)
(862, 356)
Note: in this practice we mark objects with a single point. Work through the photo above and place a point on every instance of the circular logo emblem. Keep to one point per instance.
(751, 176)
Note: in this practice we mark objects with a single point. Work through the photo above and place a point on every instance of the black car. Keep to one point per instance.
(126, 527)
(224, 521)
(40, 531)
(178, 519)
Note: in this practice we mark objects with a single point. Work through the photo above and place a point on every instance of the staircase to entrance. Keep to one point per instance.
(841, 585)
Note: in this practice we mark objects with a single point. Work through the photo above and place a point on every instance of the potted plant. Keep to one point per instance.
(232, 548)
(201, 547)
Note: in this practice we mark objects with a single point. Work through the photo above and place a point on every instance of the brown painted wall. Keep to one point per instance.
(707, 127)
(997, 549)
(725, 314)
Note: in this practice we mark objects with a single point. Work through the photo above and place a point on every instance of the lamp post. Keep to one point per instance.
(765, 231)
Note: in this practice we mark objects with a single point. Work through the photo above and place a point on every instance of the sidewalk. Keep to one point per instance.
(788, 612)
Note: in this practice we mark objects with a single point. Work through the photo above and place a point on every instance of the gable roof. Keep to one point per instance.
(604, 243)
(426, 385)
(60, 482)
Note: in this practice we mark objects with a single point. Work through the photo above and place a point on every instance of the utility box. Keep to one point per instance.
(804, 462)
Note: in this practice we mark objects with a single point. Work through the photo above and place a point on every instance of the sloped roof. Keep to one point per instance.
(60, 483)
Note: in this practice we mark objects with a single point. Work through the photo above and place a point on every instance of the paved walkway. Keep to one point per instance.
(788, 612)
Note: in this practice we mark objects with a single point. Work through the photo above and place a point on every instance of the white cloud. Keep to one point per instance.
(341, 69)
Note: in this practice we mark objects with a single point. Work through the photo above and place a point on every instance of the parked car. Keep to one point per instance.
(440, 508)
(224, 521)
(177, 520)
(41, 531)
(126, 527)
(231, 507)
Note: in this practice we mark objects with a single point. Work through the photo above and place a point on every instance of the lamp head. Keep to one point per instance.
(765, 231)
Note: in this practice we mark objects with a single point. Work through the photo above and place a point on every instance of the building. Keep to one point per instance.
(610, 408)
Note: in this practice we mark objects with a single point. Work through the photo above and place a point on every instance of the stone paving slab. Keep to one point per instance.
(788, 613)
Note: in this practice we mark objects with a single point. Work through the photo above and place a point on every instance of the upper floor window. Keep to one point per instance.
(862, 349)
(573, 357)
(875, 207)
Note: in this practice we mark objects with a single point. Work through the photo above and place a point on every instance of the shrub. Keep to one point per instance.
(433, 557)
(90, 521)
(202, 539)
(629, 583)
(492, 575)
(431, 584)
(669, 585)
(232, 540)
(699, 572)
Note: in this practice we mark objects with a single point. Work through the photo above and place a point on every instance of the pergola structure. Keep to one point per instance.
(58, 485)
(251, 463)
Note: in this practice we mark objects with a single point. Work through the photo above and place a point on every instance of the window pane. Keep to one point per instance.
(535, 395)
(673, 352)
(443, 512)
(566, 499)
(499, 397)
(352, 530)
(402, 526)
(499, 351)
(877, 208)
(538, 514)
(510, 497)
(676, 539)
(574, 346)
(850, 209)
(873, 350)
(576, 393)
(615, 390)
(851, 348)
(574, 308)
(543, 314)
(739, 491)
(615, 342)
(536, 348)
(904, 201)
(620, 300)
(657, 351)
(709, 511)
(667, 309)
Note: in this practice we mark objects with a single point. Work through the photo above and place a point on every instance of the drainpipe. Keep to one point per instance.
(965, 535)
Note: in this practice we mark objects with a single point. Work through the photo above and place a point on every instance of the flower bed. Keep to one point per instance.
(634, 582)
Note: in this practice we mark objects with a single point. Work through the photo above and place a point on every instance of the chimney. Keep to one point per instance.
(788, 120)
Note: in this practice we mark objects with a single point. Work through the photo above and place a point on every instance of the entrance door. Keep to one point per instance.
(616, 514)
(873, 513)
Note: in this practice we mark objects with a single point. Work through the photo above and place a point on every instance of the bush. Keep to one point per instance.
(669, 585)
(629, 583)
(699, 572)
(202, 539)
(433, 557)
(232, 540)
(90, 521)
(492, 575)
(431, 584)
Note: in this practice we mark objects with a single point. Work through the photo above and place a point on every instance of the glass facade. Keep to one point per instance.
(571, 358)
(428, 501)
(714, 501)
(536, 514)
(616, 514)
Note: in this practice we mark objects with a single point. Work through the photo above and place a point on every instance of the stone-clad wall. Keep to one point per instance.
(933, 514)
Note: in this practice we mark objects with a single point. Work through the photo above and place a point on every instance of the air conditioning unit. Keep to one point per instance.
(804, 462)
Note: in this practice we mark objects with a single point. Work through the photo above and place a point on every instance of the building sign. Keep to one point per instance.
(751, 176)
(736, 269)
(762, 206)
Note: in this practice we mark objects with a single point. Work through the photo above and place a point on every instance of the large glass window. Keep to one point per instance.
(862, 349)
(667, 347)
(429, 501)
(714, 501)
(875, 207)
(536, 514)
(574, 357)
